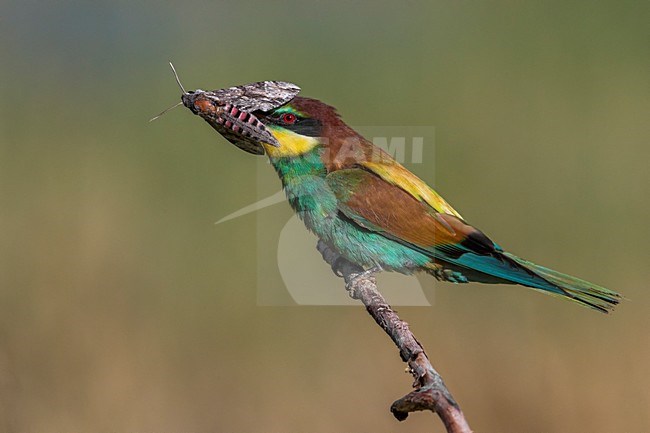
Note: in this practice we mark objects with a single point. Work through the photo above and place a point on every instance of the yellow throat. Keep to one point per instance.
(291, 144)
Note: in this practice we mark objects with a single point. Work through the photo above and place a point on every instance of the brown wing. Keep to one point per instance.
(378, 205)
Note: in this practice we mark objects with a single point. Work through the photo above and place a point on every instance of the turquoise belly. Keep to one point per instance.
(304, 182)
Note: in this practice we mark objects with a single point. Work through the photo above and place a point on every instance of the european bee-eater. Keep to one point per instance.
(364, 204)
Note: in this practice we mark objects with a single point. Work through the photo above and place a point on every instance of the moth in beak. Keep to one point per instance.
(230, 111)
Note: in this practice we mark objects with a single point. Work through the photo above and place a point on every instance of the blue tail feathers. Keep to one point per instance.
(581, 291)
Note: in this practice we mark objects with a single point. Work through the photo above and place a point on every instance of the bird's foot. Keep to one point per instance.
(338, 266)
(369, 272)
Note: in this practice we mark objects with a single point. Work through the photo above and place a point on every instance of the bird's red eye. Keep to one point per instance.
(289, 118)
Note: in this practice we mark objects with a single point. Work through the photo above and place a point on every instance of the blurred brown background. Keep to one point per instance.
(123, 308)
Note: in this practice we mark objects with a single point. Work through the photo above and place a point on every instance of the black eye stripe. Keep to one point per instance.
(304, 126)
(278, 119)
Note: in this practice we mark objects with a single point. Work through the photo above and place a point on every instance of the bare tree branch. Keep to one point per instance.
(430, 391)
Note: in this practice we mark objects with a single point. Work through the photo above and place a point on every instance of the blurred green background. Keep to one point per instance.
(123, 307)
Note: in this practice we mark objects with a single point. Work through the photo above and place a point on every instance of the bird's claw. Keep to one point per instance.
(369, 272)
(337, 266)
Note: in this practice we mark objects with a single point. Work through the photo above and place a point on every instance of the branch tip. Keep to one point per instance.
(431, 392)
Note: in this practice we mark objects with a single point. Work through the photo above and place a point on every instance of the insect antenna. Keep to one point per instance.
(165, 110)
(178, 81)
